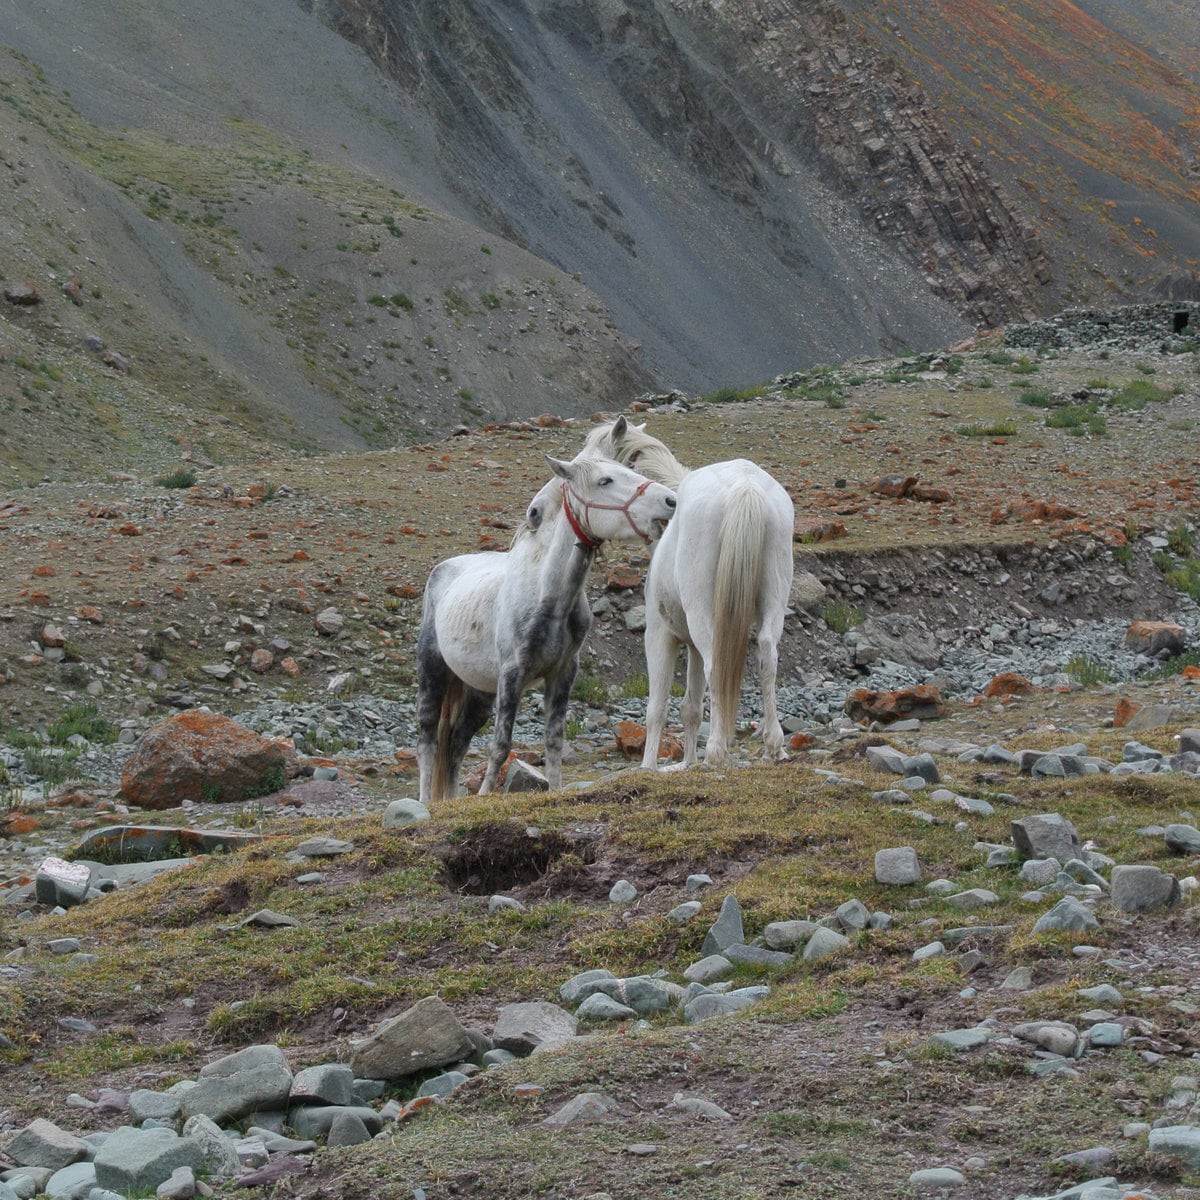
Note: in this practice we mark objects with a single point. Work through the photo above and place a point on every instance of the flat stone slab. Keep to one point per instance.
(145, 843)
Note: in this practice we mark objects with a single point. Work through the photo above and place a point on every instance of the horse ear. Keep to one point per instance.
(619, 429)
(564, 470)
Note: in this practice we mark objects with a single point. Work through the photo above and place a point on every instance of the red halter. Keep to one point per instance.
(586, 538)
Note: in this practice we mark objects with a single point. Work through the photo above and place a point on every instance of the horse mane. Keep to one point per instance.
(638, 449)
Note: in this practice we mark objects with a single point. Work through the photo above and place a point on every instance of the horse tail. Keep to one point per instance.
(442, 782)
(740, 547)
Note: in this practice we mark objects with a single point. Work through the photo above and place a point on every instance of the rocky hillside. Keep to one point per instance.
(457, 212)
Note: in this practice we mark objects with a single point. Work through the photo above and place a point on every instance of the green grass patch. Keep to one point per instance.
(1077, 420)
(841, 616)
(590, 689)
(1137, 393)
(733, 395)
(1086, 669)
(1038, 397)
(995, 429)
(182, 477)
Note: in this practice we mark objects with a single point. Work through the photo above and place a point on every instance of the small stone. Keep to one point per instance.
(897, 866)
(937, 1177)
(727, 929)
(1020, 979)
(709, 969)
(823, 943)
(622, 892)
(598, 1007)
(400, 813)
(961, 1039)
(684, 912)
(1067, 915)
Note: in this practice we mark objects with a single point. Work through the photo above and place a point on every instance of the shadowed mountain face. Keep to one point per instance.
(346, 222)
(614, 141)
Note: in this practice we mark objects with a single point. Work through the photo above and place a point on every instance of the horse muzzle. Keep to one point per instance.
(658, 526)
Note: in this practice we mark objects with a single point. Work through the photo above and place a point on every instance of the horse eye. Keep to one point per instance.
(605, 481)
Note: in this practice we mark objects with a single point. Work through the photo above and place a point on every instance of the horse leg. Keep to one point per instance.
(508, 695)
(692, 709)
(432, 679)
(471, 718)
(661, 651)
(558, 697)
(768, 666)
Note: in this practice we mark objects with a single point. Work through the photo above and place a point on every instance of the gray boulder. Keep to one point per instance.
(42, 1144)
(897, 866)
(1137, 888)
(426, 1035)
(1047, 835)
(1178, 1141)
(823, 943)
(727, 929)
(231, 1087)
(138, 1160)
(59, 882)
(327, 1083)
(524, 1028)
(598, 1007)
(400, 813)
(72, 1183)
(220, 1157)
(1067, 915)
(1182, 839)
(316, 1120)
(718, 1004)
(579, 987)
(788, 935)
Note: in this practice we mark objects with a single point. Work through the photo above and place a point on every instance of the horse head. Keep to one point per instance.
(603, 500)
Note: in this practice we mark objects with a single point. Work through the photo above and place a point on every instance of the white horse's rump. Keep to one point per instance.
(720, 578)
(495, 623)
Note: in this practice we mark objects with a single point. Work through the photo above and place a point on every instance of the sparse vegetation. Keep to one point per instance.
(842, 616)
(995, 429)
(181, 477)
(1086, 670)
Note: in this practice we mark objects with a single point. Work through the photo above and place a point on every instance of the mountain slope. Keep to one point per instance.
(1076, 112)
(336, 223)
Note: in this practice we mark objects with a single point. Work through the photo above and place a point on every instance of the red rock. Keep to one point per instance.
(201, 756)
(43, 571)
(42, 599)
(923, 702)
(22, 293)
(630, 738)
(117, 361)
(289, 666)
(931, 495)
(894, 485)
(1124, 713)
(801, 741)
(53, 637)
(17, 824)
(622, 577)
(73, 290)
(1008, 683)
(261, 661)
(90, 613)
(129, 529)
(817, 529)
(1191, 672)
(1152, 637)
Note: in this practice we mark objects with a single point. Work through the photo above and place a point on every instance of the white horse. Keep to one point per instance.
(720, 576)
(494, 623)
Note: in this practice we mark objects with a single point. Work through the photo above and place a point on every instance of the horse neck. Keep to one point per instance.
(562, 565)
(661, 465)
